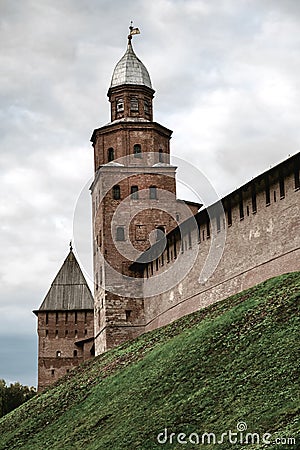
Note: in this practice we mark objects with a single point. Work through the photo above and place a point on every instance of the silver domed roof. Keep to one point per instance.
(130, 70)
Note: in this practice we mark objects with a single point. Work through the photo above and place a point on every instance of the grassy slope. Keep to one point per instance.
(236, 360)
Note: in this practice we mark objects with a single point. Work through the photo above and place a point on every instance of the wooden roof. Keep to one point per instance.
(69, 290)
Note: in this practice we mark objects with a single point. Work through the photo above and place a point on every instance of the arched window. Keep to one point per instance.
(58, 354)
(147, 107)
(137, 151)
(134, 104)
(116, 192)
(134, 192)
(120, 235)
(160, 155)
(120, 105)
(110, 154)
(152, 192)
(75, 353)
(160, 232)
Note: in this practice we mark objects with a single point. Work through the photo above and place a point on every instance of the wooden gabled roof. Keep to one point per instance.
(69, 290)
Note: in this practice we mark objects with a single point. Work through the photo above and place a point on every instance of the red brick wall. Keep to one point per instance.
(259, 246)
(122, 136)
(60, 335)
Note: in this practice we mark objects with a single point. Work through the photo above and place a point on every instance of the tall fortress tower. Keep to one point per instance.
(133, 196)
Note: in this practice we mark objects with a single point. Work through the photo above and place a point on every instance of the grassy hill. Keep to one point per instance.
(233, 364)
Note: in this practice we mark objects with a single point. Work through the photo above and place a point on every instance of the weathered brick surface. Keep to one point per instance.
(261, 245)
(61, 334)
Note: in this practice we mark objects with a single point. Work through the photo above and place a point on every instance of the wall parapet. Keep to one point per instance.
(261, 222)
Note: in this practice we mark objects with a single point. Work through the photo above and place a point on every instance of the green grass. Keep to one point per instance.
(237, 360)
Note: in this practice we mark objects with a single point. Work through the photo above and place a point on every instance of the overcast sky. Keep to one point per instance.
(227, 81)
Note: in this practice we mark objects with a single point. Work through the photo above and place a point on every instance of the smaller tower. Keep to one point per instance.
(65, 324)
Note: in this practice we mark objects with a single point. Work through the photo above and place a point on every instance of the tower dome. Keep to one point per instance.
(130, 70)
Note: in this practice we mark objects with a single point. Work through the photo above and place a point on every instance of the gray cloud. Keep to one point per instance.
(226, 75)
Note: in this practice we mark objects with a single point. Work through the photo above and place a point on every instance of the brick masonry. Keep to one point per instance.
(60, 348)
(262, 244)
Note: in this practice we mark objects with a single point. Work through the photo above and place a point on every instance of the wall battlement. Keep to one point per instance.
(260, 228)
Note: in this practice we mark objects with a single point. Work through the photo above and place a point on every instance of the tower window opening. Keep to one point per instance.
(120, 234)
(134, 192)
(134, 104)
(120, 105)
(218, 221)
(56, 318)
(56, 333)
(52, 372)
(75, 353)
(241, 205)
(297, 178)
(127, 314)
(275, 197)
(254, 202)
(160, 232)
(190, 239)
(46, 333)
(267, 191)
(116, 191)
(152, 193)
(160, 155)
(110, 154)
(147, 107)
(75, 317)
(47, 318)
(208, 229)
(58, 354)
(229, 214)
(281, 186)
(137, 151)
(174, 247)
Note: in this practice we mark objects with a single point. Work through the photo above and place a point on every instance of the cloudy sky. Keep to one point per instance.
(227, 81)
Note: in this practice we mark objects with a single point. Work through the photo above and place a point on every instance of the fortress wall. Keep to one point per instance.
(260, 245)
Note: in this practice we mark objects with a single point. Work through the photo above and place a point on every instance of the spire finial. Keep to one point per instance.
(71, 248)
(132, 31)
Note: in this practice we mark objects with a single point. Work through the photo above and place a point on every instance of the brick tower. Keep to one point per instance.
(133, 196)
(65, 324)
